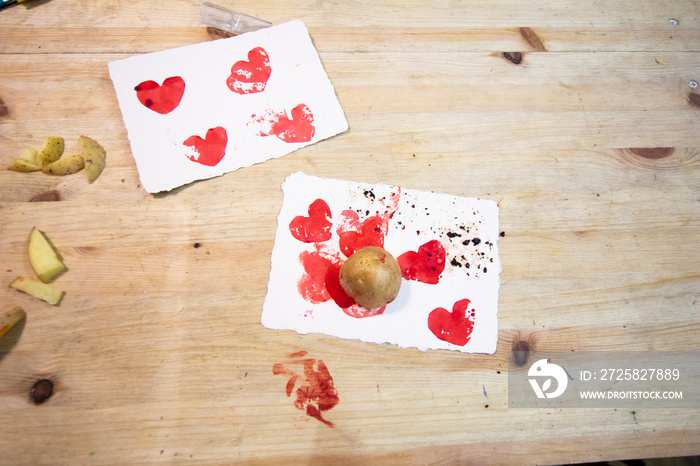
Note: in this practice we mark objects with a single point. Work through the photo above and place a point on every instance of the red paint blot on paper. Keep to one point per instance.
(453, 327)
(161, 98)
(316, 392)
(210, 150)
(314, 228)
(298, 127)
(355, 235)
(425, 265)
(321, 279)
(250, 77)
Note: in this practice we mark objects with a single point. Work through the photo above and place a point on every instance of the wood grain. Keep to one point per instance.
(589, 142)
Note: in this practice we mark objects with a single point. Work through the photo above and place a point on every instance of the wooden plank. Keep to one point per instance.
(588, 140)
(341, 27)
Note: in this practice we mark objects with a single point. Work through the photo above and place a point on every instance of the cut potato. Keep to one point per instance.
(371, 276)
(65, 165)
(21, 165)
(29, 155)
(50, 151)
(44, 260)
(26, 162)
(94, 155)
(38, 289)
(9, 319)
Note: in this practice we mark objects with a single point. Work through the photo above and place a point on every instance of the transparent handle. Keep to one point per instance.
(228, 20)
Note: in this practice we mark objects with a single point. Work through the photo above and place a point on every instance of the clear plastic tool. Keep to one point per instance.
(229, 20)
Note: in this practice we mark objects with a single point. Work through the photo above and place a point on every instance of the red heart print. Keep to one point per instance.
(453, 327)
(424, 266)
(163, 98)
(314, 228)
(250, 77)
(210, 150)
(299, 128)
(355, 235)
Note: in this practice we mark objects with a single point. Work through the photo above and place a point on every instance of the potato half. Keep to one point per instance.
(50, 151)
(371, 276)
(65, 165)
(94, 155)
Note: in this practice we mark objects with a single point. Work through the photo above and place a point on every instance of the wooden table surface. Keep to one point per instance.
(588, 136)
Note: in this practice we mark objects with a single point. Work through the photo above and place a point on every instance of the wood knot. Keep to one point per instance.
(48, 196)
(521, 348)
(41, 391)
(694, 99)
(85, 249)
(521, 351)
(653, 153)
(4, 109)
(514, 57)
(532, 39)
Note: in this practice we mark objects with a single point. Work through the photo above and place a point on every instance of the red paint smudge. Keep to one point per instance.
(161, 98)
(317, 393)
(321, 279)
(314, 228)
(359, 312)
(312, 285)
(250, 77)
(211, 149)
(425, 265)
(453, 327)
(298, 127)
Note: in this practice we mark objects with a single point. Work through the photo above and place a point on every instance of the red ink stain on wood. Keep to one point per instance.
(210, 150)
(299, 127)
(161, 98)
(317, 392)
(453, 327)
(532, 39)
(48, 196)
(250, 77)
(513, 57)
(653, 153)
(314, 228)
(694, 99)
(424, 265)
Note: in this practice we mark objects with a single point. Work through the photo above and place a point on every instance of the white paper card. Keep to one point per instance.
(199, 111)
(446, 246)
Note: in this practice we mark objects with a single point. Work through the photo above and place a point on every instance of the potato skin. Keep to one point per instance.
(65, 166)
(371, 276)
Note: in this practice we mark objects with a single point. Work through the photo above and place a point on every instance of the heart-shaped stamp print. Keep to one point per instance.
(250, 77)
(355, 235)
(298, 127)
(453, 327)
(425, 265)
(314, 228)
(161, 98)
(210, 150)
